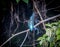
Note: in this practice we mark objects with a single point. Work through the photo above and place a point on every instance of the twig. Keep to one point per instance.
(49, 2)
(53, 8)
(16, 18)
(47, 19)
(24, 39)
(13, 37)
(33, 38)
(29, 29)
(50, 9)
(39, 13)
(11, 22)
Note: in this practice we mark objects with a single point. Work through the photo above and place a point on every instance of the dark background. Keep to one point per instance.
(5, 6)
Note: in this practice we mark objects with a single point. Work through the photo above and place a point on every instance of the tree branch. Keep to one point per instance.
(24, 40)
(29, 29)
(38, 13)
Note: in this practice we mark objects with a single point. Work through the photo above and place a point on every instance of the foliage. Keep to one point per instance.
(17, 1)
(26, 1)
(52, 35)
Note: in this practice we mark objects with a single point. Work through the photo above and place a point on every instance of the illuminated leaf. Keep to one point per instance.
(54, 24)
(48, 25)
(54, 28)
(39, 38)
(48, 32)
(45, 36)
(48, 39)
(41, 42)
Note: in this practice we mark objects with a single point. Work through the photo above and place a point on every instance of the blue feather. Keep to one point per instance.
(31, 22)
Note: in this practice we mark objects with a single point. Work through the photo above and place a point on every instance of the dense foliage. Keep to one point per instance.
(52, 36)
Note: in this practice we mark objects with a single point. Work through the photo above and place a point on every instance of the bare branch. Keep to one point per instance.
(24, 39)
(38, 13)
(47, 19)
(49, 2)
(53, 8)
(29, 29)
(50, 9)
(13, 37)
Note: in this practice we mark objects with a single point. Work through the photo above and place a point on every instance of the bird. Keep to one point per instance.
(31, 22)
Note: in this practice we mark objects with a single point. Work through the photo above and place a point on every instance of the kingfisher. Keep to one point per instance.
(31, 22)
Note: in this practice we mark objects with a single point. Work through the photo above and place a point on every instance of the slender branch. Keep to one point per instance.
(50, 9)
(49, 2)
(16, 18)
(33, 38)
(47, 19)
(13, 37)
(29, 29)
(39, 14)
(53, 8)
(11, 22)
(24, 39)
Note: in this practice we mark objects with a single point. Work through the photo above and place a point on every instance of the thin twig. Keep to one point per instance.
(16, 16)
(33, 38)
(13, 37)
(47, 20)
(50, 9)
(39, 13)
(11, 22)
(29, 29)
(53, 8)
(49, 2)
(24, 40)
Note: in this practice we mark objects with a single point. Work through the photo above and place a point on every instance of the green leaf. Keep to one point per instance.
(54, 24)
(45, 36)
(54, 28)
(17, 1)
(48, 25)
(26, 1)
(40, 38)
(58, 31)
(58, 37)
(41, 42)
(48, 39)
(48, 29)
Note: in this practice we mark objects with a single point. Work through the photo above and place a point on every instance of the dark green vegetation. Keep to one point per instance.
(52, 36)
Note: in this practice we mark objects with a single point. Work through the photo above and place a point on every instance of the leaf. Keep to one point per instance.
(48, 39)
(48, 25)
(58, 31)
(54, 28)
(40, 38)
(48, 32)
(54, 24)
(17, 1)
(26, 1)
(59, 24)
(45, 36)
(41, 42)
(58, 37)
